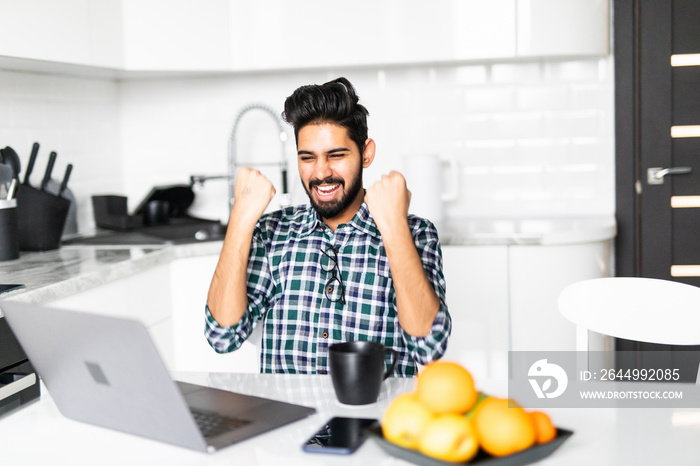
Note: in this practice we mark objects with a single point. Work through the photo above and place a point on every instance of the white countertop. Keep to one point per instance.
(39, 434)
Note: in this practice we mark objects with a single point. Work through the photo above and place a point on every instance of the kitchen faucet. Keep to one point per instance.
(285, 199)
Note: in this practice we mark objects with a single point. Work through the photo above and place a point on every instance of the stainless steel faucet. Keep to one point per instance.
(285, 199)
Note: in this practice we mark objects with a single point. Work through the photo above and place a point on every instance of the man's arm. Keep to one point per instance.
(416, 301)
(227, 299)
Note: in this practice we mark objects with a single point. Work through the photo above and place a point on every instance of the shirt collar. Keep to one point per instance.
(362, 221)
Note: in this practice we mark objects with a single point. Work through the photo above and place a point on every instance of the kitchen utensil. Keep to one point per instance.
(66, 176)
(9, 242)
(6, 173)
(49, 169)
(11, 190)
(30, 165)
(12, 159)
(427, 177)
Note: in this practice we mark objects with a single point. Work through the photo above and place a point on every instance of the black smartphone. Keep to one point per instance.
(340, 435)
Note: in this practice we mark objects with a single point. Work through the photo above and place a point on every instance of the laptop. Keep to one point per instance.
(106, 371)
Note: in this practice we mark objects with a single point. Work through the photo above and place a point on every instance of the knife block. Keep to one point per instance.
(41, 217)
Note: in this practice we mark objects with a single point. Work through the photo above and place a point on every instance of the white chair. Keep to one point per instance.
(640, 309)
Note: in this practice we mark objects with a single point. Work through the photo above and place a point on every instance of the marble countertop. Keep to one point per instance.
(58, 273)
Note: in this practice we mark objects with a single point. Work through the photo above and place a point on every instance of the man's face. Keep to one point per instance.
(330, 166)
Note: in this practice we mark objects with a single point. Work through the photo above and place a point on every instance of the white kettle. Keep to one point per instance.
(433, 180)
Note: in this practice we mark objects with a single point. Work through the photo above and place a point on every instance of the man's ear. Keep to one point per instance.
(368, 153)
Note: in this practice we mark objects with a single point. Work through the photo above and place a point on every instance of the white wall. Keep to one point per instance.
(76, 117)
(532, 137)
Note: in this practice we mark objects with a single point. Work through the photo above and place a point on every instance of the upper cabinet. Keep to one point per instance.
(81, 32)
(287, 34)
(563, 28)
(177, 34)
(243, 35)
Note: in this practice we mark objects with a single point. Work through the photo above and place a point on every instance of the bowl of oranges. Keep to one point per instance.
(446, 420)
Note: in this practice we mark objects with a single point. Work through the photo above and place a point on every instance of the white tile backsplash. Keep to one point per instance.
(531, 137)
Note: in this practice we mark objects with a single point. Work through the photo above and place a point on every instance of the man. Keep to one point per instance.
(351, 266)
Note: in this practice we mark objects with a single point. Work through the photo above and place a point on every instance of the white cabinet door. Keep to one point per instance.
(85, 32)
(537, 275)
(477, 297)
(176, 34)
(563, 28)
(279, 34)
(190, 284)
(144, 296)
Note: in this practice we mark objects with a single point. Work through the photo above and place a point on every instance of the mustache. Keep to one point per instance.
(329, 180)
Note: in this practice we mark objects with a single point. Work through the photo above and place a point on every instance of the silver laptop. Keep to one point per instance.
(106, 371)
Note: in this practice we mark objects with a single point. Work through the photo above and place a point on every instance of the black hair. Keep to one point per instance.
(333, 102)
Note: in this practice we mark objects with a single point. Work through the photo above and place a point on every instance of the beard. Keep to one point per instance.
(331, 209)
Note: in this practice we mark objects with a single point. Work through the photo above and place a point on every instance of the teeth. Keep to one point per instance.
(327, 189)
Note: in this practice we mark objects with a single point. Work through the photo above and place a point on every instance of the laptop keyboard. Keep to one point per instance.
(212, 424)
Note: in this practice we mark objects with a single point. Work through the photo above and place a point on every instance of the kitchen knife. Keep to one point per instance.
(49, 169)
(64, 183)
(30, 165)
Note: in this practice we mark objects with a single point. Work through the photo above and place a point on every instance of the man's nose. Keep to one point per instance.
(322, 170)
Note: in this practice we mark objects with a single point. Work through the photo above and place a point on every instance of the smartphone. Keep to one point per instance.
(340, 435)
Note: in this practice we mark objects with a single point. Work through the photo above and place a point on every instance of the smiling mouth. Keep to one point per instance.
(326, 192)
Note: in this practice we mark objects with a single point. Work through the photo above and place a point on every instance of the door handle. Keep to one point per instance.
(656, 175)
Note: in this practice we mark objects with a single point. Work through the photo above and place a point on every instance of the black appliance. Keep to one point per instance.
(19, 382)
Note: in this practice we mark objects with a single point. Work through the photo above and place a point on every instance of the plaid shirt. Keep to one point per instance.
(286, 283)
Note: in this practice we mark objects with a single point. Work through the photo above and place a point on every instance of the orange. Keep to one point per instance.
(404, 420)
(501, 429)
(449, 437)
(544, 427)
(446, 387)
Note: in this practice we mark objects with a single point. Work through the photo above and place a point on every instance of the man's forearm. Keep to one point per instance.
(228, 297)
(416, 301)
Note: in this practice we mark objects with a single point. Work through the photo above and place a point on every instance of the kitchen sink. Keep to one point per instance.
(175, 231)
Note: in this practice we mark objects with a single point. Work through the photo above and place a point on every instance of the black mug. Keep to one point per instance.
(357, 370)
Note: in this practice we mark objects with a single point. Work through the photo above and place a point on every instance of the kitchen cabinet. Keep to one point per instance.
(190, 278)
(122, 38)
(308, 34)
(563, 28)
(537, 274)
(81, 32)
(478, 300)
(177, 34)
(145, 296)
(505, 298)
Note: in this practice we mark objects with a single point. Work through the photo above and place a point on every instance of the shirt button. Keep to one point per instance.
(322, 372)
(330, 289)
(325, 335)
